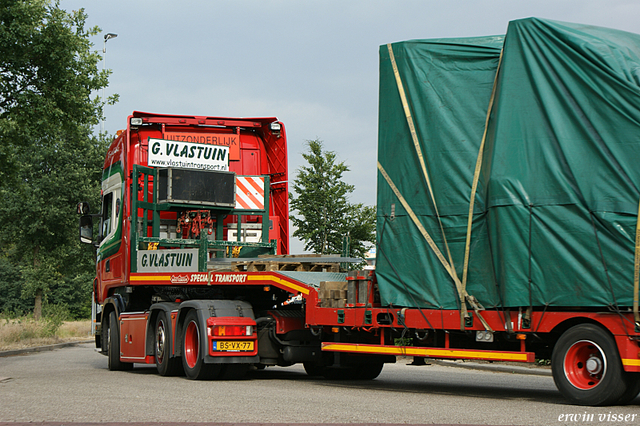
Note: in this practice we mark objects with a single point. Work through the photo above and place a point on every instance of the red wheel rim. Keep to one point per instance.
(191, 344)
(585, 365)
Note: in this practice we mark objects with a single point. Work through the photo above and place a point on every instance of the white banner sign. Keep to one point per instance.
(188, 155)
(168, 260)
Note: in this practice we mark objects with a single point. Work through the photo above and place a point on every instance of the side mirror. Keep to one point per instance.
(86, 229)
(83, 208)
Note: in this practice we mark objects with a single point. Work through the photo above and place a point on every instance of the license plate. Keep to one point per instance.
(232, 346)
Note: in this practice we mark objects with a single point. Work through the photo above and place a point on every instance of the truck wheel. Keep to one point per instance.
(633, 389)
(313, 369)
(192, 360)
(233, 371)
(113, 346)
(342, 373)
(369, 371)
(338, 373)
(586, 366)
(165, 363)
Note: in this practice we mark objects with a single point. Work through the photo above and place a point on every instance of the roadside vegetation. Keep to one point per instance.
(55, 326)
(50, 158)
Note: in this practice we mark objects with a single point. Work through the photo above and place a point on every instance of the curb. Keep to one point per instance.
(42, 348)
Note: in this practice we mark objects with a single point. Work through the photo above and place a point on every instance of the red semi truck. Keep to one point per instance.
(507, 225)
(191, 279)
(192, 266)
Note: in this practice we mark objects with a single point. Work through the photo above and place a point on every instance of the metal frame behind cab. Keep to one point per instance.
(151, 207)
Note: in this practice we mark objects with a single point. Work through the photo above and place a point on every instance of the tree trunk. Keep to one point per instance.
(37, 310)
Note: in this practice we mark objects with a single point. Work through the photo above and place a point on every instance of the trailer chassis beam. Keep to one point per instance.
(438, 353)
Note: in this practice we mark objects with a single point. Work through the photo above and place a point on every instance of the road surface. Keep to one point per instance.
(74, 385)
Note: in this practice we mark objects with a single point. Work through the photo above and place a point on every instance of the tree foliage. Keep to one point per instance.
(49, 158)
(324, 214)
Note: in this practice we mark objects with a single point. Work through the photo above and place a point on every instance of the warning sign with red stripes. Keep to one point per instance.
(250, 192)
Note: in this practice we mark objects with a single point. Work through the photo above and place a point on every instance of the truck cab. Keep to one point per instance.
(181, 196)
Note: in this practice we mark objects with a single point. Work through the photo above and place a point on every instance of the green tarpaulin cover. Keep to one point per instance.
(556, 206)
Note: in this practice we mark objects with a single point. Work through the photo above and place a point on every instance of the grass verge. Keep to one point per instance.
(25, 332)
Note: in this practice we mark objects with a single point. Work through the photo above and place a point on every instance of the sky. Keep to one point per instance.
(312, 64)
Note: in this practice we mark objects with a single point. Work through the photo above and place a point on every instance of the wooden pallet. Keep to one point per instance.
(308, 263)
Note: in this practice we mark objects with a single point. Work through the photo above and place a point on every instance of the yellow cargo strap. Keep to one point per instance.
(636, 273)
(476, 178)
(462, 294)
(464, 297)
(416, 144)
(423, 231)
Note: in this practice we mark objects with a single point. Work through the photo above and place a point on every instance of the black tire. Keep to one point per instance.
(233, 371)
(166, 364)
(341, 373)
(113, 346)
(586, 366)
(369, 371)
(633, 389)
(313, 369)
(104, 336)
(192, 359)
(364, 371)
(338, 373)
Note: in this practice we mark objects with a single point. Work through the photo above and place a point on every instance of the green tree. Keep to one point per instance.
(324, 214)
(11, 282)
(49, 158)
(361, 225)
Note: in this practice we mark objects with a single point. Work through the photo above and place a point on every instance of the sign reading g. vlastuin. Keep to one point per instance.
(168, 260)
(188, 155)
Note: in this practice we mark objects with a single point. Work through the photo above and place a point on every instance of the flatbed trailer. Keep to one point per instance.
(508, 193)
(171, 293)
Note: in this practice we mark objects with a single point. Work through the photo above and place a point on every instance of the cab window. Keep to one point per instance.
(107, 214)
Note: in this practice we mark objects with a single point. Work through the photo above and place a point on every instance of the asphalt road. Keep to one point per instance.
(73, 385)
